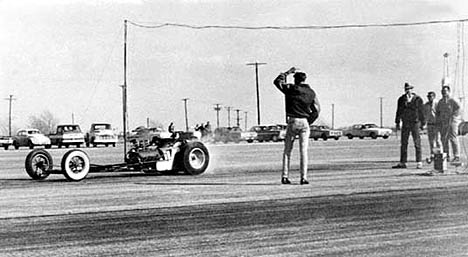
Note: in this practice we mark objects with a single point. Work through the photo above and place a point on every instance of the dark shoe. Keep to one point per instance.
(304, 181)
(399, 166)
(285, 181)
(456, 159)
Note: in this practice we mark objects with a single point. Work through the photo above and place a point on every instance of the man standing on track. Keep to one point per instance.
(430, 117)
(411, 113)
(302, 108)
(447, 119)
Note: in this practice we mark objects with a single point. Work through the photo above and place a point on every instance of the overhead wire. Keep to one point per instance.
(316, 27)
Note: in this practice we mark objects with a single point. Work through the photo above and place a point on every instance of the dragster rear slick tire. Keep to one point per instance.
(38, 164)
(195, 158)
(75, 165)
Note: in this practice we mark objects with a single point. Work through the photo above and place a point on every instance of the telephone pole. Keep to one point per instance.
(245, 120)
(333, 116)
(237, 117)
(186, 115)
(217, 109)
(381, 112)
(229, 115)
(10, 99)
(256, 64)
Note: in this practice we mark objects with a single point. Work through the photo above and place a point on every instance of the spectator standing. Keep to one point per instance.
(301, 103)
(410, 112)
(430, 117)
(447, 119)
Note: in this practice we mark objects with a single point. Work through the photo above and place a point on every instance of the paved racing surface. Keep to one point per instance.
(356, 205)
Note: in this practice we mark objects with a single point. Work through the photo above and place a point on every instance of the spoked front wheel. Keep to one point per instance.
(75, 165)
(38, 164)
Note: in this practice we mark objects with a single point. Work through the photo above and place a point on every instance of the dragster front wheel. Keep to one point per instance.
(195, 158)
(75, 165)
(38, 164)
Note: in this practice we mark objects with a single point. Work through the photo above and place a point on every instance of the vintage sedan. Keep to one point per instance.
(233, 134)
(324, 132)
(367, 130)
(30, 138)
(269, 132)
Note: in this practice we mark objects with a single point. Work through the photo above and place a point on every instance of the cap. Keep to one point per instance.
(300, 75)
(408, 86)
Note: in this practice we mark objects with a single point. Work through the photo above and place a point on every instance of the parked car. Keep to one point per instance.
(30, 138)
(233, 134)
(324, 132)
(66, 135)
(363, 130)
(269, 132)
(142, 134)
(101, 134)
(5, 142)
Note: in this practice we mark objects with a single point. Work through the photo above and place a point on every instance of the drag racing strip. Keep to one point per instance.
(412, 223)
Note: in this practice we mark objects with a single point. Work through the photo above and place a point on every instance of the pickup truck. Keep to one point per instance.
(67, 135)
(101, 134)
(5, 142)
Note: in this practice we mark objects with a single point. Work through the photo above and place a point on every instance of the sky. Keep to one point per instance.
(66, 57)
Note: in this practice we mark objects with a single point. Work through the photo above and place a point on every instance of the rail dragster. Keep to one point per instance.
(158, 155)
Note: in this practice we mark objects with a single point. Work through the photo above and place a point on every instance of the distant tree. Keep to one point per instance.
(4, 127)
(45, 122)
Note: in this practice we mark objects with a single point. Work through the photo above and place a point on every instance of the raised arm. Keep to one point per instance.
(280, 81)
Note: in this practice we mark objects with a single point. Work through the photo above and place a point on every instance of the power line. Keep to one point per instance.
(306, 27)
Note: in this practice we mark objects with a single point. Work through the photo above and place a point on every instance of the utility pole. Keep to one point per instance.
(333, 116)
(258, 91)
(381, 112)
(245, 120)
(446, 77)
(229, 115)
(237, 117)
(124, 92)
(217, 109)
(73, 118)
(186, 116)
(147, 122)
(10, 99)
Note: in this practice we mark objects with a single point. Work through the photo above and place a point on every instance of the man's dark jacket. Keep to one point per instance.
(410, 112)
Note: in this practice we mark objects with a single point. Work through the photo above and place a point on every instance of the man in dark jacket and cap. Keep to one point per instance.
(410, 111)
